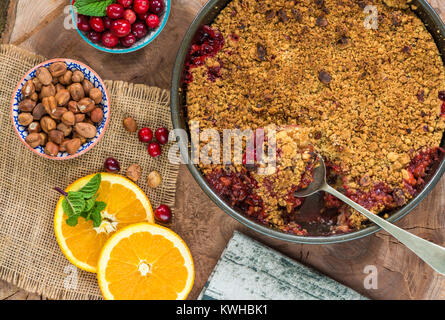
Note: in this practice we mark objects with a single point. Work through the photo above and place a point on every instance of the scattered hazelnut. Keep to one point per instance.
(33, 139)
(96, 95)
(134, 172)
(44, 76)
(97, 115)
(130, 124)
(154, 179)
(78, 76)
(51, 149)
(25, 119)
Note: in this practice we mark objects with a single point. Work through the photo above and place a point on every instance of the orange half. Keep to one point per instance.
(126, 204)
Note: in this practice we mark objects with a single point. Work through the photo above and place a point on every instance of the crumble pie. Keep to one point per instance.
(370, 99)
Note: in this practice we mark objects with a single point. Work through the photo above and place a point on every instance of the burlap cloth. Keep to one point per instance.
(29, 254)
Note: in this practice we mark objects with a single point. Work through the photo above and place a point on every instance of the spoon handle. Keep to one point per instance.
(429, 252)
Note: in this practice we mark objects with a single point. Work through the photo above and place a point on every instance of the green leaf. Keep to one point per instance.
(96, 8)
(73, 220)
(95, 213)
(73, 204)
(89, 203)
(90, 189)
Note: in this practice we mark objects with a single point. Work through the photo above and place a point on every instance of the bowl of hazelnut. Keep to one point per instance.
(60, 109)
(120, 26)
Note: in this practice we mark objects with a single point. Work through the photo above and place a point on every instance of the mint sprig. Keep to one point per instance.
(82, 203)
(93, 8)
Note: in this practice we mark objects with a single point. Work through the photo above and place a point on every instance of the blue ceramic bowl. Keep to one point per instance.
(139, 43)
(90, 75)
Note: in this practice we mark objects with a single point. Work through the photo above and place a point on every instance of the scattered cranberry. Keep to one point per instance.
(94, 36)
(156, 6)
(163, 213)
(161, 135)
(145, 135)
(125, 3)
(154, 149)
(130, 16)
(152, 21)
(97, 24)
(139, 30)
(115, 11)
(141, 6)
(121, 27)
(442, 95)
(107, 22)
(112, 165)
(129, 40)
(82, 23)
(109, 40)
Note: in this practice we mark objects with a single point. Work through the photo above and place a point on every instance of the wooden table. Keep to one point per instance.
(205, 228)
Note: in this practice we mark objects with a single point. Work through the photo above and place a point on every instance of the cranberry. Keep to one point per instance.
(152, 21)
(442, 95)
(130, 16)
(115, 11)
(162, 135)
(143, 16)
(129, 40)
(156, 6)
(94, 36)
(121, 27)
(163, 213)
(82, 23)
(125, 3)
(97, 24)
(112, 165)
(139, 29)
(141, 6)
(154, 149)
(145, 135)
(109, 40)
(107, 22)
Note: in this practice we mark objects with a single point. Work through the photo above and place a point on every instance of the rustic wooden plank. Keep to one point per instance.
(198, 220)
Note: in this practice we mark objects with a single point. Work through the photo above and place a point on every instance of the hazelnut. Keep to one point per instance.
(65, 129)
(38, 112)
(76, 91)
(62, 146)
(28, 88)
(87, 86)
(134, 172)
(85, 130)
(33, 139)
(78, 136)
(97, 115)
(50, 104)
(51, 149)
(27, 105)
(69, 118)
(154, 179)
(44, 76)
(37, 84)
(43, 138)
(47, 124)
(59, 87)
(56, 136)
(66, 78)
(58, 69)
(73, 145)
(96, 95)
(55, 81)
(78, 76)
(63, 97)
(34, 127)
(58, 113)
(86, 105)
(130, 124)
(79, 117)
(34, 97)
(25, 119)
(72, 106)
(47, 91)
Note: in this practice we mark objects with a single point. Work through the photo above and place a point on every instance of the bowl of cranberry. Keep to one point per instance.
(120, 26)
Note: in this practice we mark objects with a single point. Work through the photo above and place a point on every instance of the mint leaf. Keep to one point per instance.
(73, 203)
(90, 189)
(94, 8)
(95, 213)
(72, 221)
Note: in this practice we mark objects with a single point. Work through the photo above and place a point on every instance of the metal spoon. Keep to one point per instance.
(429, 252)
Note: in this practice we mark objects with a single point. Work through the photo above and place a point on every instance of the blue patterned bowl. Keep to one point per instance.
(141, 43)
(90, 75)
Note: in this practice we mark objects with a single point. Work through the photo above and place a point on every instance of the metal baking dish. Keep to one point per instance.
(208, 13)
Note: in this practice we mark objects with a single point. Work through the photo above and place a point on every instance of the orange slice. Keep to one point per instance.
(126, 204)
(145, 262)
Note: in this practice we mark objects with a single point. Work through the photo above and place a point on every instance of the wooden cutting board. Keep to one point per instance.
(205, 228)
